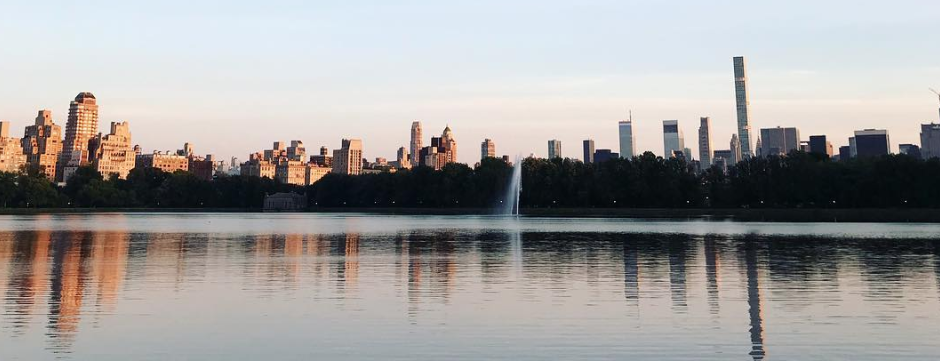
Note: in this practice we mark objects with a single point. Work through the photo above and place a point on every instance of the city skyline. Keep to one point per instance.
(371, 66)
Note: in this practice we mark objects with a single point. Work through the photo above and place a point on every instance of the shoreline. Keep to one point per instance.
(797, 215)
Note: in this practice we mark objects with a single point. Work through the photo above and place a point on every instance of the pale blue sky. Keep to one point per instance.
(233, 76)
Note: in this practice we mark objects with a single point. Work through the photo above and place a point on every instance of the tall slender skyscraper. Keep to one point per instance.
(627, 145)
(672, 139)
(705, 143)
(554, 149)
(741, 99)
(80, 128)
(589, 151)
(416, 144)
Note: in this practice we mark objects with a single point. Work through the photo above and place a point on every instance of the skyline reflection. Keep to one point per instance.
(61, 285)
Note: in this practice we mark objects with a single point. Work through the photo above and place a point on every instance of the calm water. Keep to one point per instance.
(355, 287)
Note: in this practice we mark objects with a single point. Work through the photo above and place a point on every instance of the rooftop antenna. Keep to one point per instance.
(631, 115)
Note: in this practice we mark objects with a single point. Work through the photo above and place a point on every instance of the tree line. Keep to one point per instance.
(798, 180)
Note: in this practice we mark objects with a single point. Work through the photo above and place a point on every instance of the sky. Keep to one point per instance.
(234, 76)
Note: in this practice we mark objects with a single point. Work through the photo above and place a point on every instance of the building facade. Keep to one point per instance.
(113, 152)
(554, 149)
(871, 143)
(673, 141)
(291, 172)
(705, 142)
(778, 141)
(735, 146)
(588, 150)
(315, 173)
(930, 140)
(448, 145)
(742, 106)
(348, 159)
(627, 144)
(416, 142)
(42, 143)
(164, 161)
(911, 150)
(12, 158)
(603, 155)
(820, 145)
(487, 149)
(80, 128)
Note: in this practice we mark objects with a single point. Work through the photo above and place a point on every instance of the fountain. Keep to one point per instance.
(514, 191)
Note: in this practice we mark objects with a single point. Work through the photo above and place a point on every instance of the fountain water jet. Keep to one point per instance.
(514, 191)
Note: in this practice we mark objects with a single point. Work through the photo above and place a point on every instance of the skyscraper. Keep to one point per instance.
(416, 143)
(735, 150)
(403, 158)
(348, 159)
(819, 145)
(80, 128)
(779, 141)
(487, 149)
(741, 99)
(672, 138)
(42, 144)
(911, 150)
(930, 140)
(705, 143)
(554, 149)
(872, 143)
(589, 151)
(627, 146)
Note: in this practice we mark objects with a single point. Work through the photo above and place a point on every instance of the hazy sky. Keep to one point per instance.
(233, 76)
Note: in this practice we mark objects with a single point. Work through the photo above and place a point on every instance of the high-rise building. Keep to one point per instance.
(315, 173)
(42, 144)
(735, 150)
(778, 141)
(705, 143)
(348, 159)
(448, 146)
(673, 140)
(723, 158)
(12, 158)
(627, 144)
(911, 150)
(416, 143)
(819, 145)
(487, 149)
(554, 149)
(113, 152)
(872, 143)
(930, 140)
(291, 172)
(80, 128)
(741, 100)
(589, 151)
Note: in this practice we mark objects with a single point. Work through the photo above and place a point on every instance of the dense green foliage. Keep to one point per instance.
(647, 181)
(144, 187)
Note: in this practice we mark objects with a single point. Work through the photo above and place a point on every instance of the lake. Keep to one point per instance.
(237, 286)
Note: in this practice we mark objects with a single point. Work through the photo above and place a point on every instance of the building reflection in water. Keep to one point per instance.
(67, 290)
(712, 274)
(66, 280)
(755, 309)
